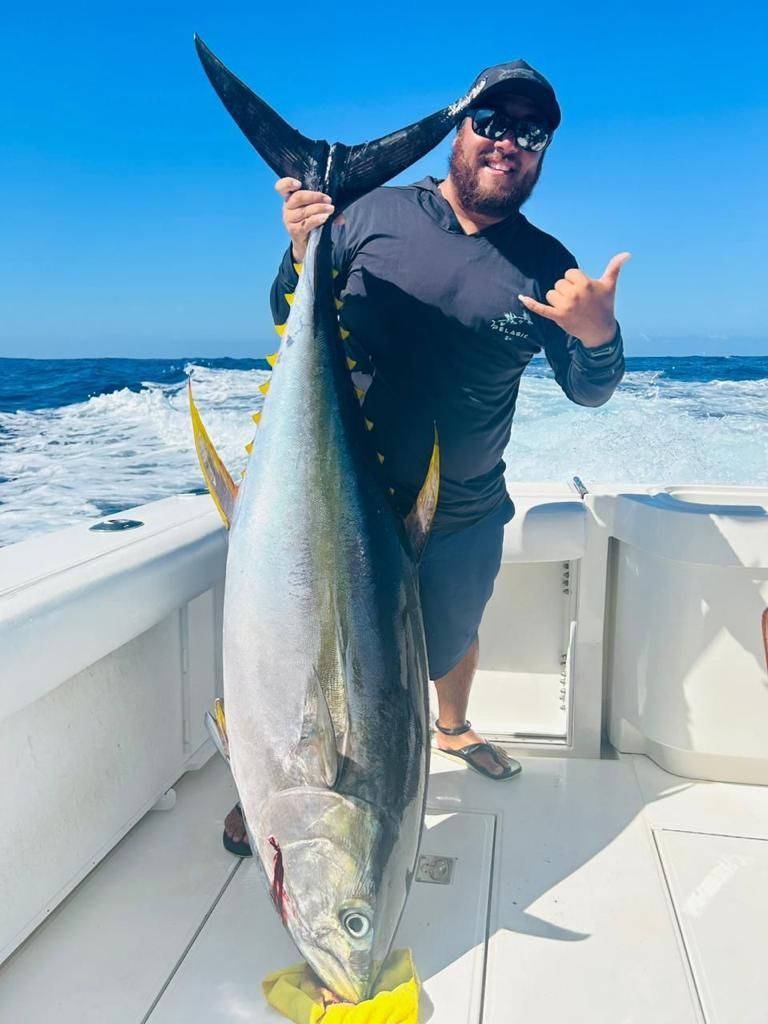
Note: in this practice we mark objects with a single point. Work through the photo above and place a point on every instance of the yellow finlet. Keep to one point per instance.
(298, 267)
(360, 394)
(391, 490)
(343, 334)
(369, 424)
(272, 359)
(249, 447)
(264, 388)
(256, 417)
(242, 474)
(379, 456)
(339, 304)
(351, 363)
(289, 297)
(220, 484)
(280, 328)
(334, 274)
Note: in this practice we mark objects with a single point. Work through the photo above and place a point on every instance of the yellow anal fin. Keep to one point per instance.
(418, 522)
(220, 484)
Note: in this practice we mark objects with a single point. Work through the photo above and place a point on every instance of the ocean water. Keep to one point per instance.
(85, 438)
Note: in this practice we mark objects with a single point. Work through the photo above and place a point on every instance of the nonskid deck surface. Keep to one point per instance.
(590, 891)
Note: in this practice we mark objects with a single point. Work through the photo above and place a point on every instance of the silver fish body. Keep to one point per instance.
(325, 674)
(325, 671)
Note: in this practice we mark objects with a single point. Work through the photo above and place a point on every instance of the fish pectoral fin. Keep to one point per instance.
(217, 729)
(418, 522)
(220, 484)
(316, 752)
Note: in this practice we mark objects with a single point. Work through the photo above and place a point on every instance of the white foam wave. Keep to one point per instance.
(125, 448)
(117, 450)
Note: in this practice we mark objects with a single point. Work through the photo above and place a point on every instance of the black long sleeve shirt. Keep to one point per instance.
(438, 335)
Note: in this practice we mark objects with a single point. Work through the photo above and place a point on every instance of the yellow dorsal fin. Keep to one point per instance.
(272, 359)
(343, 334)
(339, 304)
(280, 328)
(369, 424)
(220, 484)
(249, 447)
(298, 267)
(256, 417)
(351, 363)
(289, 297)
(264, 388)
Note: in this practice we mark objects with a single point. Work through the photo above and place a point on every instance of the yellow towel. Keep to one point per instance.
(297, 995)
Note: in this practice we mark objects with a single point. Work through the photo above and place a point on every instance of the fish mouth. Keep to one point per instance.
(350, 980)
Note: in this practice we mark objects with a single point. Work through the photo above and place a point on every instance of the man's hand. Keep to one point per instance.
(302, 211)
(581, 305)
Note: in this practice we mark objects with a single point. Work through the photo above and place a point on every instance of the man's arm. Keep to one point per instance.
(302, 211)
(583, 340)
(284, 284)
(588, 376)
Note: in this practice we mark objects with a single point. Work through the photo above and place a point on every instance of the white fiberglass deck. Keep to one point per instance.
(602, 892)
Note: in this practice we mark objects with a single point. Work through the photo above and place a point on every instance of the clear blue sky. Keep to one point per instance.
(137, 221)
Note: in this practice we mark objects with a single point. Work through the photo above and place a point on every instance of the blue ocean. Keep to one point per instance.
(83, 438)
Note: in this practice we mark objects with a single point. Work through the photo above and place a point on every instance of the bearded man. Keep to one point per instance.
(447, 293)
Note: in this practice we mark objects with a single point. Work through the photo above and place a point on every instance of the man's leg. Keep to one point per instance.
(452, 701)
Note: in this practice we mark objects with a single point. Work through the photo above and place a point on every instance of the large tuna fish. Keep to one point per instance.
(325, 674)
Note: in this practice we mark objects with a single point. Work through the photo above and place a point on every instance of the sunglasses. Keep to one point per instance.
(493, 124)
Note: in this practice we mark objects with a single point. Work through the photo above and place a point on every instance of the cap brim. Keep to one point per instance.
(531, 90)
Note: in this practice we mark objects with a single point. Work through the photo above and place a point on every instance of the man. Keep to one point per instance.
(448, 292)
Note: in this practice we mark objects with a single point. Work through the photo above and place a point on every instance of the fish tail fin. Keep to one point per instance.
(343, 172)
(220, 484)
(418, 522)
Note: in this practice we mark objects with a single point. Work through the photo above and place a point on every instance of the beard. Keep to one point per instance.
(491, 199)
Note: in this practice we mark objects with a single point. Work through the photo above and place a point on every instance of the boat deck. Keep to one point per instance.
(602, 892)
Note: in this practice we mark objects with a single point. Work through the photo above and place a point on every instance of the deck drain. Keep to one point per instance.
(437, 870)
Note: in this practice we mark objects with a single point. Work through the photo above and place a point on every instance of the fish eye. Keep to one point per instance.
(356, 923)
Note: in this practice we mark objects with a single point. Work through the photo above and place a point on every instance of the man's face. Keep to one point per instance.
(494, 178)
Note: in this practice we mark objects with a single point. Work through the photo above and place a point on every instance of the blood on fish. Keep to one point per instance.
(278, 875)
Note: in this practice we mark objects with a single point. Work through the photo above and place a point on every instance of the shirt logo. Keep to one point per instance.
(510, 323)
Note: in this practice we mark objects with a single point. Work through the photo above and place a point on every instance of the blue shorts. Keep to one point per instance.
(456, 578)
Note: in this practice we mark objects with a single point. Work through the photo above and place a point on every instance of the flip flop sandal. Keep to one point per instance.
(240, 849)
(509, 765)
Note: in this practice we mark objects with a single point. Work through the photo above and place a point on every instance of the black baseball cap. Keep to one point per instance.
(521, 79)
